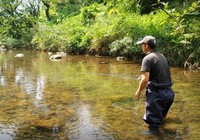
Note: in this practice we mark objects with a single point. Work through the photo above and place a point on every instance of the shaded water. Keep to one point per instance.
(86, 98)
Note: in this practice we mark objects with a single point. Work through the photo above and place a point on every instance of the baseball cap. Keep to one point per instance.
(148, 40)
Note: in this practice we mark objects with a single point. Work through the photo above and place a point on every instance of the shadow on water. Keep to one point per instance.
(86, 98)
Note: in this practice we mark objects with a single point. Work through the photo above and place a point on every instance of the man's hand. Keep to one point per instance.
(138, 94)
(140, 77)
(144, 78)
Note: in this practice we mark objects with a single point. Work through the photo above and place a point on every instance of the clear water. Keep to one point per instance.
(86, 98)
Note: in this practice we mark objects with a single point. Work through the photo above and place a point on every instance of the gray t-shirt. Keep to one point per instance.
(157, 64)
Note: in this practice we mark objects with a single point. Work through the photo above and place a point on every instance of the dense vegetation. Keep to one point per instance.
(104, 27)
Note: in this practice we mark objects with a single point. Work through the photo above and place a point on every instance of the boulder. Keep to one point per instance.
(19, 55)
(55, 57)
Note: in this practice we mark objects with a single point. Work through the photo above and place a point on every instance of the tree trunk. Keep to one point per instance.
(47, 10)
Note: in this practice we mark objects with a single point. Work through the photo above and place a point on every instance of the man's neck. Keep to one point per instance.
(150, 51)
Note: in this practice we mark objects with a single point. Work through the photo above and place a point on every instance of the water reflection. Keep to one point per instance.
(2, 77)
(7, 132)
(29, 85)
(86, 128)
(18, 76)
(2, 80)
(40, 88)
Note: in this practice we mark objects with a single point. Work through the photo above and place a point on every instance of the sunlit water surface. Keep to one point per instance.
(86, 98)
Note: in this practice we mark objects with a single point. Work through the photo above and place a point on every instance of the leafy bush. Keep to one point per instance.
(108, 28)
(122, 47)
(185, 34)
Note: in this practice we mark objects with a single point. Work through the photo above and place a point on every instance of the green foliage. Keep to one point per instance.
(89, 13)
(67, 9)
(16, 27)
(185, 34)
(121, 47)
(105, 27)
(125, 6)
(134, 27)
(49, 37)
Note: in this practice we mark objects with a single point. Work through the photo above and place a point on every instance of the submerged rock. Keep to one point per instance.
(19, 55)
(121, 58)
(63, 54)
(2, 48)
(58, 56)
(49, 53)
(55, 57)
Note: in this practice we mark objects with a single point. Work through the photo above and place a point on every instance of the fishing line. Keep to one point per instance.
(128, 107)
(138, 105)
(113, 75)
(136, 108)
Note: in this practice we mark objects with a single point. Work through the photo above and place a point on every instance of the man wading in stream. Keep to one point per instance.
(156, 78)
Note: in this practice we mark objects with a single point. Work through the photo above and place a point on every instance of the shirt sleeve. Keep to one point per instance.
(146, 65)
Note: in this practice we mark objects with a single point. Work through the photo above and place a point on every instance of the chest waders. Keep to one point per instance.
(158, 102)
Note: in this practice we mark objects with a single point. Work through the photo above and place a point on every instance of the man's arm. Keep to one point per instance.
(144, 78)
